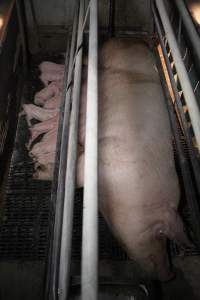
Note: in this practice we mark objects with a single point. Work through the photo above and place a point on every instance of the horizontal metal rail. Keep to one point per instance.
(181, 70)
(89, 272)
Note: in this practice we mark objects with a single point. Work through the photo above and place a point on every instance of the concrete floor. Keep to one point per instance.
(186, 285)
(22, 281)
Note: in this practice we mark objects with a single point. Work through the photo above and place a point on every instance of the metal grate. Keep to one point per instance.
(109, 248)
(25, 208)
(25, 211)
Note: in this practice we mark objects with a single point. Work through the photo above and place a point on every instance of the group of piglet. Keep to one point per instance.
(43, 134)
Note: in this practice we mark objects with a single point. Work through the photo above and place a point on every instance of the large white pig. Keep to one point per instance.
(138, 185)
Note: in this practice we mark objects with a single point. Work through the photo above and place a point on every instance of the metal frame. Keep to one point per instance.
(60, 169)
(70, 175)
(60, 255)
(178, 103)
(190, 169)
(181, 70)
(57, 286)
(191, 30)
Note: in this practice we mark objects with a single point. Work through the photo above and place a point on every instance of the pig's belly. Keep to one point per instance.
(137, 193)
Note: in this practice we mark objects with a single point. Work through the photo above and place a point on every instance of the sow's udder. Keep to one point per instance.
(138, 184)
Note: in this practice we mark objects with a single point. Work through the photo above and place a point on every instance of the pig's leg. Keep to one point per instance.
(46, 93)
(44, 173)
(43, 127)
(44, 159)
(34, 112)
(36, 133)
(46, 145)
(53, 103)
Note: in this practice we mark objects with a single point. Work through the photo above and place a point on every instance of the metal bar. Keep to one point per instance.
(35, 25)
(89, 272)
(23, 37)
(179, 29)
(190, 29)
(70, 181)
(79, 45)
(62, 147)
(181, 70)
(111, 25)
(192, 154)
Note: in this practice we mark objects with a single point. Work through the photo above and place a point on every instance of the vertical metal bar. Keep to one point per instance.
(70, 181)
(190, 29)
(22, 33)
(179, 29)
(182, 73)
(35, 25)
(89, 272)
(63, 146)
(111, 25)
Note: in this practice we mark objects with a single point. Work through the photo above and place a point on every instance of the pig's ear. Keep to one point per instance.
(174, 230)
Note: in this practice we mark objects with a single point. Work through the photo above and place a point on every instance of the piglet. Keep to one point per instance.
(47, 77)
(32, 111)
(41, 128)
(46, 145)
(48, 66)
(46, 93)
(53, 103)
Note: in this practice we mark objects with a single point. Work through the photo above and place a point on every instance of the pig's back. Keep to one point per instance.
(127, 55)
(137, 173)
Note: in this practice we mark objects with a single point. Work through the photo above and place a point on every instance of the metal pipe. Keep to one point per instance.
(23, 36)
(190, 29)
(89, 271)
(182, 73)
(35, 26)
(111, 25)
(63, 146)
(70, 181)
